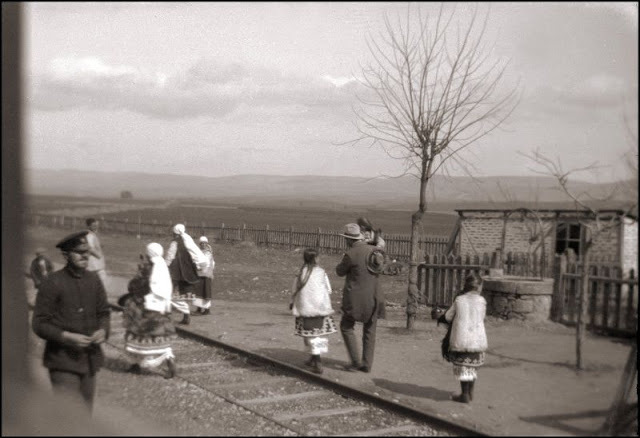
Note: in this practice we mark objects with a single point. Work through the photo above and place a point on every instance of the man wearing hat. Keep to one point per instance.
(360, 298)
(72, 314)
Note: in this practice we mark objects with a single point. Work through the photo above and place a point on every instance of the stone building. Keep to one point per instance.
(480, 231)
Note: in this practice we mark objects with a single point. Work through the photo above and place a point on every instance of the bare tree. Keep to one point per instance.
(594, 222)
(431, 91)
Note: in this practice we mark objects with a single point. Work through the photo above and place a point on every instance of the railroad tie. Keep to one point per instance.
(387, 430)
(324, 413)
(286, 397)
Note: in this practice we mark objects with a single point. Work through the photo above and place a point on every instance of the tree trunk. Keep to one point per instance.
(413, 294)
(583, 308)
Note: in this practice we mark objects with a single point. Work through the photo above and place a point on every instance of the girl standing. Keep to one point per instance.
(204, 287)
(468, 341)
(311, 305)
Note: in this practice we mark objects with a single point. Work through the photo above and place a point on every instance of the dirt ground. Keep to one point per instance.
(529, 385)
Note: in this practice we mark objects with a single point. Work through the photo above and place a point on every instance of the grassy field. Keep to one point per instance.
(391, 222)
(243, 272)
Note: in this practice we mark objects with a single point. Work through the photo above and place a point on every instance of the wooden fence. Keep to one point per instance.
(440, 278)
(612, 300)
(398, 245)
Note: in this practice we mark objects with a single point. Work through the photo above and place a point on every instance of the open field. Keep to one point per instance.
(214, 214)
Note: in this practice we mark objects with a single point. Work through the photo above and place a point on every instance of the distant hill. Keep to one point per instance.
(308, 191)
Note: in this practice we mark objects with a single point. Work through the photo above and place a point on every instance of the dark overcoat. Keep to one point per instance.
(181, 267)
(72, 302)
(361, 295)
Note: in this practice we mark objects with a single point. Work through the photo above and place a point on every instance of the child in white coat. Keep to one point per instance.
(311, 305)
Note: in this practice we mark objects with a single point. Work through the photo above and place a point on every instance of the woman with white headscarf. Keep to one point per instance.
(146, 316)
(185, 260)
(204, 287)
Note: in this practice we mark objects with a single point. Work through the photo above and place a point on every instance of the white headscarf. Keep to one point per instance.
(159, 299)
(179, 229)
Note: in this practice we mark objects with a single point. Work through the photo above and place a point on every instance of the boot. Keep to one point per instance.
(311, 361)
(464, 396)
(135, 369)
(317, 364)
(471, 390)
(171, 369)
(186, 319)
(206, 311)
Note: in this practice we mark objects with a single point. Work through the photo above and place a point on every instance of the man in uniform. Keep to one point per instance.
(361, 299)
(72, 314)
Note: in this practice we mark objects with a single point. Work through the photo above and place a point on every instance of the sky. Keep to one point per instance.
(220, 89)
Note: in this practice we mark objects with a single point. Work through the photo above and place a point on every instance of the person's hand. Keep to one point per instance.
(99, 336)
(77, 339)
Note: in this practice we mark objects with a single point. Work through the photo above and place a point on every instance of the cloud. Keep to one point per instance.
(206, 88)
(600, 89)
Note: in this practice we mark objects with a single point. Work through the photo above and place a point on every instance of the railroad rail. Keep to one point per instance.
(298, 401)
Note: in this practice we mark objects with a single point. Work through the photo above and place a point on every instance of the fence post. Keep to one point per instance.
(557, 301)
(266, 235)
(222, 232)
(630, 293)
(290, 238)
(62, 221)
(244, 232)
(318, 238)
(126, 225)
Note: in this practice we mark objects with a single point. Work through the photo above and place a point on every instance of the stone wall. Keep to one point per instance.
(513, 298)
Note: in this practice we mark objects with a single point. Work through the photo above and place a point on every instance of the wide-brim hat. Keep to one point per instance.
(74, 241)
(352, 231)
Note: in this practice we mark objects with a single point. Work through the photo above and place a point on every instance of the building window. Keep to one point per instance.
(568, 235)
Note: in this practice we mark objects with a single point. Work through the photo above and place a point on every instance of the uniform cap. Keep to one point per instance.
(74, 241)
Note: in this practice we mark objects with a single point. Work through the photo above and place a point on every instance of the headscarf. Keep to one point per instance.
(194, 250)
(159, 281)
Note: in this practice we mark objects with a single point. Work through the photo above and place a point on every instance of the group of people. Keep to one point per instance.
(73, 315)
(363, 302)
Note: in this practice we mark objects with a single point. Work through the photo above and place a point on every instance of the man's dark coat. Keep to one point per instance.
(361, 295)
(72, 302)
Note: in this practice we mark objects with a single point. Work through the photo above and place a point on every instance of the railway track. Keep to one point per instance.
(293, 400)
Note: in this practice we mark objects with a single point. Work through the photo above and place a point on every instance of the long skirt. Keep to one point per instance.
(465, 364)
(203, 289)
(148, 338)
(314, 330)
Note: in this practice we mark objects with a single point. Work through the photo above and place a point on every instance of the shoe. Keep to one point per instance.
(171, 369)
(135, 369)
(352, 368)
(186, 319)
(317, 366)
(364, 369)
(206, 312)
(310, 361)
(471, 390)
(464, 396)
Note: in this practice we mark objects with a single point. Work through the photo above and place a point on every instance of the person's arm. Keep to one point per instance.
(344, 266)
(41, 322)
(171, 252)
(327, 283)
(450, 313)
(49, 266)
(103, 313)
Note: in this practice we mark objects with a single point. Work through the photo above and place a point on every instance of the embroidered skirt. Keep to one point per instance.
(311, 327)
(466, 359)
(149, 351)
